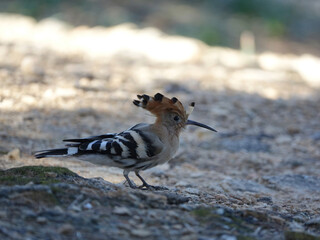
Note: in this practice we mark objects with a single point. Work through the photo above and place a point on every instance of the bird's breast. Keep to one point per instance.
(171, 146)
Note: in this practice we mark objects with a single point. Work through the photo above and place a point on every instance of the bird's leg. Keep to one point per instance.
(126, 175)
(144, 183)
(147, 186)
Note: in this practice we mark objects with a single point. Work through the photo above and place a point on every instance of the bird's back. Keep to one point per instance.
(141, 147)
(138, 148)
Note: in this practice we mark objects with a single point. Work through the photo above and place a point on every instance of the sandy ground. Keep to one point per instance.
(59, 82)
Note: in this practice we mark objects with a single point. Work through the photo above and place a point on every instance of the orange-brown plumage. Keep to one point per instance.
(160, 105)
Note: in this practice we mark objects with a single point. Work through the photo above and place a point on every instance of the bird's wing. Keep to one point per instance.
(92, 138)
(135, 148)
(132, 143)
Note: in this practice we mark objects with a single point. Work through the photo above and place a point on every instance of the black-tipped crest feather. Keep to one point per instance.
(158, 97)
(136, 102)
(174, 99)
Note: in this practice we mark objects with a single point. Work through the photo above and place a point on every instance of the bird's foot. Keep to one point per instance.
(150, 187)
(131, 184)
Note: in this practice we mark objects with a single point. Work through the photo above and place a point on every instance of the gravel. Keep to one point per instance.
(257, 177)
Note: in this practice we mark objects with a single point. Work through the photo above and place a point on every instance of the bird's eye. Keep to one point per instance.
(176, 118)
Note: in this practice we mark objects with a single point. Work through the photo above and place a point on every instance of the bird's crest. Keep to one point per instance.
(159, 104)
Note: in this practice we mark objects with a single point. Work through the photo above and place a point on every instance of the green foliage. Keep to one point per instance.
(35, 174)
(269, 10)
(213, 220)
(210, 37)
(39, 197)
(300, 236)
(276, 28)
(202, 212)
(247, 7)
(275, 15)
(208, 20)
(34, 8)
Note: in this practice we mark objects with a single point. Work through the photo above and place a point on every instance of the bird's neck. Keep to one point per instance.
(164, 131)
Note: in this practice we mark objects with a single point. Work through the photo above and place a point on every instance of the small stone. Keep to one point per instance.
(293, 130)
(136, 218)
(79, 235)
(87, 206)
(14, 154)
(244, 143)
(3, 214)
(30, 65)
(296, 182)
(154, 200)
(83, 112)
(196, 174)
(66, 229)
(299, 218)
(121, 211)
(140, 233)
(244, 185)
(275, 208)
(173, 214)
(314, 222)
(152, 214)
(315, 136)
(228, 237)
(95, 203)
(58, 209)
(41, 220)
(219, 111)
(280, 221)
(190, 236)
(294, 226)
(182, 183)
(173, 198)
(75, 208)
(175, 87)
(220, 211)
(30, 213)
(177, 226)
(187, 207)
(51, 174)
(267, 200)
(194, 191)
(221, 197)
(283, 139)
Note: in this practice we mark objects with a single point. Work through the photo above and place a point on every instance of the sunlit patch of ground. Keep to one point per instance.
(59, 82)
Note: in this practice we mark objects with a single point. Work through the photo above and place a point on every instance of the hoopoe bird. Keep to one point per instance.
(141, 147)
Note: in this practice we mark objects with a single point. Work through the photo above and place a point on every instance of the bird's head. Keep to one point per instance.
(169, 112)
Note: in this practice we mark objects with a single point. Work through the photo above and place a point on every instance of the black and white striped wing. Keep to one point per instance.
(77, 141)
(130, 144)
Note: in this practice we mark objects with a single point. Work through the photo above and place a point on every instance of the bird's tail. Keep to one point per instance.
(59, 152)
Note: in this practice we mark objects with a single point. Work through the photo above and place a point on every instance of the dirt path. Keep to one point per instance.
(264, 162)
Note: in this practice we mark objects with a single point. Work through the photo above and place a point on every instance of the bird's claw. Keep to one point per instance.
(131, 184)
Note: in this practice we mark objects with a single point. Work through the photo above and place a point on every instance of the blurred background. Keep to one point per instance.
(71, 69)
(290, 26)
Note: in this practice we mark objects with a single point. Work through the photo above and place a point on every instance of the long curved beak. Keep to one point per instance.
(190, 122)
